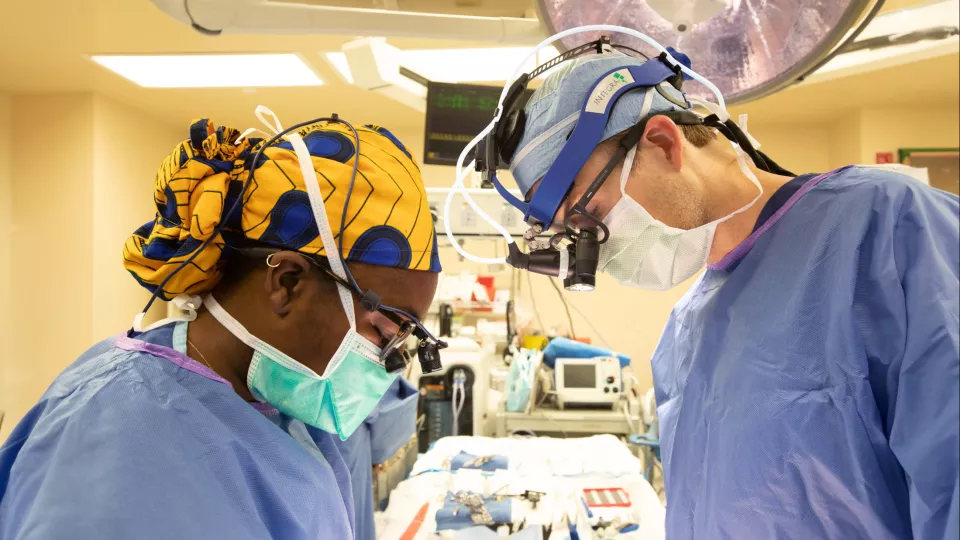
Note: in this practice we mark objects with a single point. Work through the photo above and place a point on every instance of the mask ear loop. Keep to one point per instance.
(632, 152)
(626, 170)
(316, 204)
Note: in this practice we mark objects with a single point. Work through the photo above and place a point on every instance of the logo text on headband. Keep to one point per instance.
(606, 89)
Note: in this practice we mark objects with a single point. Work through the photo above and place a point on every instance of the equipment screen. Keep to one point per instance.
(579, 376)
(456, 113)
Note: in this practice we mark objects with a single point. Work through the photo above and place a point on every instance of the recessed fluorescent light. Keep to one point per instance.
(458, 65)
(470, 65)
(212, 71)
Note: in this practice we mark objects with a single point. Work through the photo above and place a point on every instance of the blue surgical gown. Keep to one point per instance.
(390, 426)
(807, 385)
(133, 444)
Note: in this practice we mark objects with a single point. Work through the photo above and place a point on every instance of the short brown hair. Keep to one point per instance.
(698, 135)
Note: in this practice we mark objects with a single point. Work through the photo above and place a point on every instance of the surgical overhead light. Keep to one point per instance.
(748, 48)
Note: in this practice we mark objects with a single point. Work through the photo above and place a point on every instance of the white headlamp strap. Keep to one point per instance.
(742, 157)
(713, 108)
(316, 204)
(742, 122)
(723, 116)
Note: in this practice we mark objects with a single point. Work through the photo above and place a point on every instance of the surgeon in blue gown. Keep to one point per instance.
(196, 429)
(808, 383)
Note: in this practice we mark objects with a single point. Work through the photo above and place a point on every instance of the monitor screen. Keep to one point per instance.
(579, 375)
(456, 113)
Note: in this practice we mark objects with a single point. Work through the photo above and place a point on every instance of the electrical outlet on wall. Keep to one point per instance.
(508, 217)
(468, 218)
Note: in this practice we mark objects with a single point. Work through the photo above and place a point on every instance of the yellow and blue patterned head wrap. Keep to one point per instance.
(388, 222)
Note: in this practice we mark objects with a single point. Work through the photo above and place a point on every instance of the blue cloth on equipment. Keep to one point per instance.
(500, 511)
(568, 348)
(127, 444)
(382, 434)
(496, 462)
(809, 388)
(520, 382)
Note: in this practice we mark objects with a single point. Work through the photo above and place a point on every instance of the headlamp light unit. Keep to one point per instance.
(576, 262)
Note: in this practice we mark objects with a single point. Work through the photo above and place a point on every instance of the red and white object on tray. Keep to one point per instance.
(606, 498)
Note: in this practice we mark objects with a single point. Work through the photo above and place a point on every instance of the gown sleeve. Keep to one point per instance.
(111, 463)
(394, 422)
(924, 427)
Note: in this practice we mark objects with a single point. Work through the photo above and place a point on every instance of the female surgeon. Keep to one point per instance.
(230, 422)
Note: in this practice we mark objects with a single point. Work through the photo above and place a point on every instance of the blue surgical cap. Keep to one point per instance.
(553, 110)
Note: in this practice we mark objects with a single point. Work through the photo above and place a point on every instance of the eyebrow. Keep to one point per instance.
(408, 310)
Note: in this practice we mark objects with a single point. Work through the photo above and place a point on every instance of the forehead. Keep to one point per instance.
(409, 290)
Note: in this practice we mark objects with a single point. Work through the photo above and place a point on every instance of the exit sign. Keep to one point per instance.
(884, 157)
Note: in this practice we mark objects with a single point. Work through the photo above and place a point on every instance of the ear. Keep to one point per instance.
(286, 280)
(661, 133)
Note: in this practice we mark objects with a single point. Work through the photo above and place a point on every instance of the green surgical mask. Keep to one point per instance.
(337, 402)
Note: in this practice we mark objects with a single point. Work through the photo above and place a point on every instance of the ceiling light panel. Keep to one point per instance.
(211, 71)
(459, 65)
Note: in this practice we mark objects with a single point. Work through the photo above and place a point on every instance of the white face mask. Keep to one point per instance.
(646, 253)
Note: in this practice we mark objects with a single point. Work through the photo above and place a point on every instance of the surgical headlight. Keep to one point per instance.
(576, 261)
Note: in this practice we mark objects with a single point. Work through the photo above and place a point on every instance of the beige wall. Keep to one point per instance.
(82, 177)
(857, 136)
(846, 139)
(6, 255)
(52, 191)
(888, 129)
(128, 147)
(798, 148)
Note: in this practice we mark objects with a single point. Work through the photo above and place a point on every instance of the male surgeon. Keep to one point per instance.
(807, 383)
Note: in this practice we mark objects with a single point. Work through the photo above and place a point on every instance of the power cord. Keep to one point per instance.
(533, 301)
(592, 327)
(459, 382)
(566, 308)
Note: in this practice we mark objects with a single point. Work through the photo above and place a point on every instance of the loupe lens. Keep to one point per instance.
(429, 355)
(395, 361)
